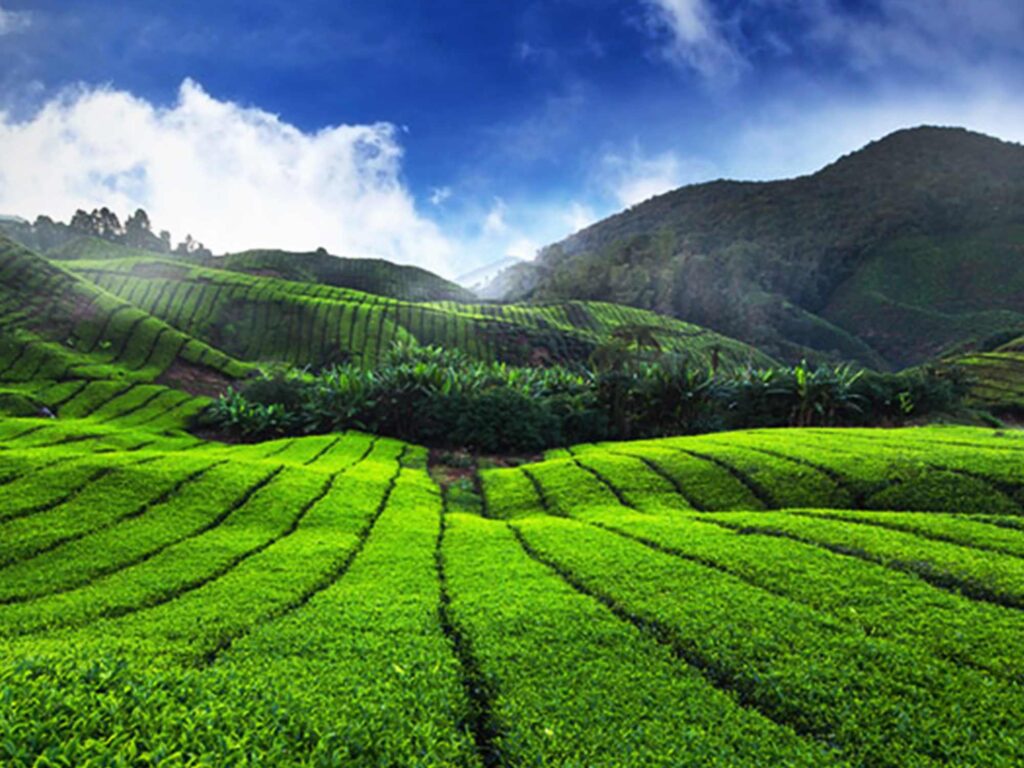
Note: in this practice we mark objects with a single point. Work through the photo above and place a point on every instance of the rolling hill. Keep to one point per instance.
(67, 344)
(266, 318)
(112, 329)
(889, 256)
(369, 275)
(998, 377)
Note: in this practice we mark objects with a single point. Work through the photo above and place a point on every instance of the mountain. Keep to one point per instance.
(888, 256)
(481, 281)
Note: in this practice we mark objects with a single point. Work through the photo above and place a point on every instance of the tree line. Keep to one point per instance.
(45, 234)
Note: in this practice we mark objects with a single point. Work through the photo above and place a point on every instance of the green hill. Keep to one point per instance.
(74, 349)
(265, 318)
(998, 377)
(747, 598)
(55, 325)
(368, 275)
(888, 256)
(89, 247)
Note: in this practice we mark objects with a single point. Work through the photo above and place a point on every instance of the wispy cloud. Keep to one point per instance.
(440, 195)
(234, 176)
(635, 176)
(494, 221)
(696, 38)
(943, 37)
(801, 138)
(930, 35)
(14, 21)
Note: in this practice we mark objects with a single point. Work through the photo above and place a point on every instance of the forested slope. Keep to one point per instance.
(888, 256)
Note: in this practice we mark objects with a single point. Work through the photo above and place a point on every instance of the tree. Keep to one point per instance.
(82, 223)
(192, 247)
(107, 225)
(138, 233)
(48, 233)
(186, 246)
(137, 229)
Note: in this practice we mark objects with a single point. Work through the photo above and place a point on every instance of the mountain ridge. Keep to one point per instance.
(764, 260)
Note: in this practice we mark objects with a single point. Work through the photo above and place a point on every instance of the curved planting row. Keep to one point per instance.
(57, 326)
(997, 377)
(316, 582)
(679, 602)
(819, 616)
(265, 318)
(794, 664)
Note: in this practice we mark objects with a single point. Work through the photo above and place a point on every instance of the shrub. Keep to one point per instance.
(443, 398)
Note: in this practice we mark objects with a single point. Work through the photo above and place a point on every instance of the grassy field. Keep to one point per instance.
(772, 597)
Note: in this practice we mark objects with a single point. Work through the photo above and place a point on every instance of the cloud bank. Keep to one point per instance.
(235, 177)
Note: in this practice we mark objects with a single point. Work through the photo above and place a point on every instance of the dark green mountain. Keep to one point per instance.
(377, 276)
(888, 256)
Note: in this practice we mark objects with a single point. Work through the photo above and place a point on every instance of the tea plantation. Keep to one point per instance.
(998, 376)
(769, 597)
(261, 318)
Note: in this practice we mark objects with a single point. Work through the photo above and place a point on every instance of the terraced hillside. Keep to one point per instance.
(369, 275)
(375, 276)
(72, 348)
(998, 376)
(776, 597)
(260, 318)
(803, 598)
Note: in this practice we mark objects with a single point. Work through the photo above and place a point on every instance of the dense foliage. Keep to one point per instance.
(442, 397)
(886, 257)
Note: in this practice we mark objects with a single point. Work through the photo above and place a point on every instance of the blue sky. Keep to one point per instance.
(450, 133)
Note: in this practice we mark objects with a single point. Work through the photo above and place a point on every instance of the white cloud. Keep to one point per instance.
(696, 36)
(14, 21)
(635, 177)
(946, 38)
(515, 228)
(440, 195)
(233, 176)
(494, 222)
(522, 248)
(579, 216)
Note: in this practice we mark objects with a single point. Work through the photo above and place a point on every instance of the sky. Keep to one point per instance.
(453, 133)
